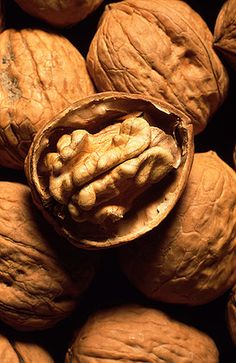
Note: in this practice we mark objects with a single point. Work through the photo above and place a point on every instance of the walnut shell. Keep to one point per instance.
(110, 168)
(134, 333)
(41, 73)
(191, 258)
(60, 13)
(224, 40)
(176, 62)
(231, 314)
(17, 351)
(41, 278)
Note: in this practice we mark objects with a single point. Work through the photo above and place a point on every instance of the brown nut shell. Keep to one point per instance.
(134, 333)
(129, 186)
(224, 40)
(41, 73)
(16, 351)
(42, 279)
(162, 49)
(191, 258)
(60, 13)
(231, 314)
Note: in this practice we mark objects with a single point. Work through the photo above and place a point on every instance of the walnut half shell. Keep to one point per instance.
(110, 168)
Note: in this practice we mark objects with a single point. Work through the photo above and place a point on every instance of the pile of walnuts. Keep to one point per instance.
(118, 183)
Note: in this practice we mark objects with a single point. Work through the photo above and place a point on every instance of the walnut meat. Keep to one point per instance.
(110, 168)
(60, 13)
(231, 314)
(134, 333)
(191, 258)
(42, 279)
(16, 351)
(225, 32)
(159, 48)
(41, 73)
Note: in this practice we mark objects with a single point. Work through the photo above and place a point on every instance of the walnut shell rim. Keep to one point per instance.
(91, 113)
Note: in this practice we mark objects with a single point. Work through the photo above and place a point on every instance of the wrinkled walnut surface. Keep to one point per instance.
(60, 13)
(41, 73)
(159, 48)
(132, 333)
(225, 32)
(191, 257)
(15, 351)
(110, 168)
(41, 278)
(231, 314)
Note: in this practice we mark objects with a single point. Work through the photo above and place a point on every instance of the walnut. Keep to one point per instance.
(135, 333)
(225, 32)
(60, 13)
(110, 168)
(159, 48)
(41, 73)
(191, 258)
(42, 278)
(231, 314)
(19, 351)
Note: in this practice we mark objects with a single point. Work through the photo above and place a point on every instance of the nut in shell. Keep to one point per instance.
(191, 258)
(110, 168)
(42, 278)
(60, 13)
(224, 40)
(135, 333)
(176, 62)
(16, 350)
(41, 73)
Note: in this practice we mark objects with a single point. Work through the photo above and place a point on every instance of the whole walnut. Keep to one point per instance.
(231, 314)
(13, 350)
(159, 48)
(41, 73)
(60, 13)
(191, 257)
(110, 167)
(42, 279)
(225, 32)
(135, 333)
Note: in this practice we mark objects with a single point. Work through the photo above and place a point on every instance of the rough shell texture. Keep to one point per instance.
(191, 257)
(225, 32)
(133, 333)
(15, 351)
(231, 314)
(160, 48)
(41, 73)
(90, 126)
(41, 278)
(60, 13)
